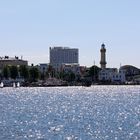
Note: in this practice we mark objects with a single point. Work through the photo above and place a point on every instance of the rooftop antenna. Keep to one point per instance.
(94, 62)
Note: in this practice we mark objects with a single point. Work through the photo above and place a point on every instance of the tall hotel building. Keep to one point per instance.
(63, 55)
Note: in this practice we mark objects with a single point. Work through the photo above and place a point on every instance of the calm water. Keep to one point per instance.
(70, 113)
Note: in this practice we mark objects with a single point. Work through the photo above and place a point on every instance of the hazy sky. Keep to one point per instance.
(30, 27)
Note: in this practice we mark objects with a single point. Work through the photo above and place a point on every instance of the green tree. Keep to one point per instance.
(69, 76)
(72, 76)
(24, 72)
(13, 72)
(61, 75)
(6, 72)
(34, 74)
(93, 72)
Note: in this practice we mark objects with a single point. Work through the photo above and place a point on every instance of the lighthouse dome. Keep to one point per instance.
(103, 46)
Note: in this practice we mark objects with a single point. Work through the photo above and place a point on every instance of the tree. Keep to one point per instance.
(24, 72)
(93, 72)
(69, 76)
(61, 75)
(34, 74)
(13, 72)
(50, 71)
(43, 74)
(72, 76)
(6, 72)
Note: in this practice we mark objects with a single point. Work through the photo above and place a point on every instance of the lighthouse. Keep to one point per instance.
(103, 56)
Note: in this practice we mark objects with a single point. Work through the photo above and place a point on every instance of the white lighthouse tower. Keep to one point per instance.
(103, 56)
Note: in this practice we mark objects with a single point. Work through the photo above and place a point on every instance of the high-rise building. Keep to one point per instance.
(63, 55)
(103, 56)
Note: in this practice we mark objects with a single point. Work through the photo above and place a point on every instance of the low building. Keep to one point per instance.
(12, 61)
(43, 67)
(130, 70)
(112, 75)
(75, 68)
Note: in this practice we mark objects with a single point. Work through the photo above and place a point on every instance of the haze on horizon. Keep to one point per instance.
(30, 27)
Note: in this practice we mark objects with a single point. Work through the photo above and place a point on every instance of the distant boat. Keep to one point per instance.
(18, 84)
(14, 84)
(1, 85)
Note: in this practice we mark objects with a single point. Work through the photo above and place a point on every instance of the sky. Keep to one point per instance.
(29, 27)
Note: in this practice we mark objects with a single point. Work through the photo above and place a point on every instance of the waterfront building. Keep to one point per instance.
(112, 75)
(63, 55)
(43, 67)
(75, 68)
(132, 73)
(12, 61)
(103, 56)
(130, 70)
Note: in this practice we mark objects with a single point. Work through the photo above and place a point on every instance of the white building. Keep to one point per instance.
(63, 55)
(112, 74)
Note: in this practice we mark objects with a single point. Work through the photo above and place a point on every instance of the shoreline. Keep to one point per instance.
(74, 85)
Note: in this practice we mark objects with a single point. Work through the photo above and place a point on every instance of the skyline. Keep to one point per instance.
(29, 28)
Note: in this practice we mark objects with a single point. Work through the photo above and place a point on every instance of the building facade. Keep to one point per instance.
(11, 61)
(130, 70)
(43, 67)
(63, 55)
(112, 75)
(75, 68)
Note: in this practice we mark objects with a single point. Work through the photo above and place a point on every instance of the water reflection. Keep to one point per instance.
(70, 113)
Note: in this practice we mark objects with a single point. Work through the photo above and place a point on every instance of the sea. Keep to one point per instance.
(70, 113)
